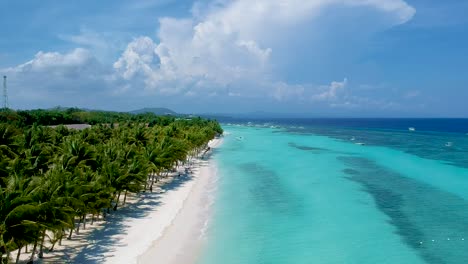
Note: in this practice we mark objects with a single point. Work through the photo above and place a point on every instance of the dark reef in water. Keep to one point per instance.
(294, 145)
(420, 212)
(268, 191)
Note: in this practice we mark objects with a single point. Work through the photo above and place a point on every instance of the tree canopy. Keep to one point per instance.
(53, 178)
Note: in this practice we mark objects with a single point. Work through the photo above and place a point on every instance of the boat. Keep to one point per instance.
(353, 138)
(411, 129)
(449, 144)
(360, 143)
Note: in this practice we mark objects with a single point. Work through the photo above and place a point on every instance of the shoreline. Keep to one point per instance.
(182, 240)
(153, 237)
(169, 218)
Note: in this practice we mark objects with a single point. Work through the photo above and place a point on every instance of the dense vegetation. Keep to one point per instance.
(57, 116)
(53, 180)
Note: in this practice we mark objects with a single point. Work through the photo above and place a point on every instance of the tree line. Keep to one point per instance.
(54, 180)
(64, 116)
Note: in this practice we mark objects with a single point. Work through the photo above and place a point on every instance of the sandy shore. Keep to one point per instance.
(183, 238)
(164, 226)
(163, 233)
(169, 230)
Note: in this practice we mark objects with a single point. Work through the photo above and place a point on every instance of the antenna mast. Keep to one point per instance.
(5, 93)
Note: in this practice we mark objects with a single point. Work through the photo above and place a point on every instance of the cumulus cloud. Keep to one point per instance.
(137, 58)
(227, 48)
(55, 62)
(331, 91)
(190, 56)
(52, 76)
(230, 44)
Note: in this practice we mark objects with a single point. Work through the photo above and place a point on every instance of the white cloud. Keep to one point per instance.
(230, 44)
(283, 91)
(86, 38)
(105, 46)
(227, 48)
(55, 61)
(137, 58)
(412, 94)
(53, 77)
(331, 91)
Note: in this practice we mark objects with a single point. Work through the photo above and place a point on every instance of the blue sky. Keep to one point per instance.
(315, 57)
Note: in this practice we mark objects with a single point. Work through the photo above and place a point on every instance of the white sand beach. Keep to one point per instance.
(182, 240)
(164, 226)
(165, 234)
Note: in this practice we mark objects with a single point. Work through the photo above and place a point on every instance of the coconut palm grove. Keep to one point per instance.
(54, 180)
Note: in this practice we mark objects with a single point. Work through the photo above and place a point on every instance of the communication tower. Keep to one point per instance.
(5, 93)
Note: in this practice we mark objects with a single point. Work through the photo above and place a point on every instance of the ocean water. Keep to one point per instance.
(304, 191)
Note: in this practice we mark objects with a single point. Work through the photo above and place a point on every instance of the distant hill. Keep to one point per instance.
(155, 110)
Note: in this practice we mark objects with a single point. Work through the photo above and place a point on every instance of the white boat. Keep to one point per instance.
(360, 143)
(449, 144)
(411, 129)
(353, 138)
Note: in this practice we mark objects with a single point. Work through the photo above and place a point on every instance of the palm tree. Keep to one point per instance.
(8, 146)
(51, 177)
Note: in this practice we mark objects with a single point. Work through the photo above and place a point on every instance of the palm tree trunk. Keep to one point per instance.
(18, 255)
(84, 221)
(78, 226)
(52, 247)
(125, 197)
(71, 232)
(57, 238)
(61, 236)
(31, 260)
(117, 202)
(152, 181)
(41, 248)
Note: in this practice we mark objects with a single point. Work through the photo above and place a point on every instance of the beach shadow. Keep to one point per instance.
(101, 242)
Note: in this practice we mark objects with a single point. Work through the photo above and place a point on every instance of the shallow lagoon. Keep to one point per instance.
(288, 195)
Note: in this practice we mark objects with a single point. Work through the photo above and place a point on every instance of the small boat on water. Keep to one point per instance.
(240, 138)
(449, 144)
(353, 138)
(411, 129)
(360, 143)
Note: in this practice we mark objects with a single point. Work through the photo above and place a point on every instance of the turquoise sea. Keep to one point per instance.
(292, 191)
